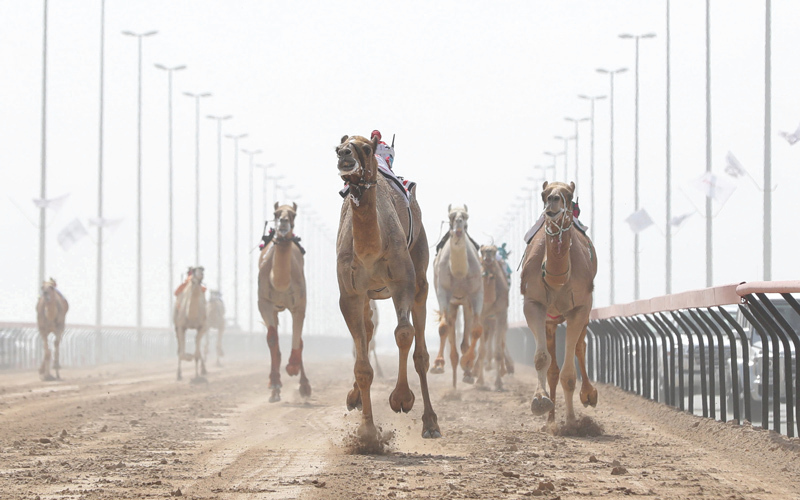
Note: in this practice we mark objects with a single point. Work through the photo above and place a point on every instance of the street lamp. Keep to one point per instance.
(170, 70)
(265, 168)
(236, 138)
(554, 156)
(219, 120)
(197, 98)
(636, 162)
(611, 74)
(139, 37)
(576, 121)
(251, 154)
(591, 99)
(566, 140)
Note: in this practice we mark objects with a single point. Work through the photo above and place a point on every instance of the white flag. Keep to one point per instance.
(733, 167)
(71, 234)
(639, 220)
(103, 222)
(714, 187)
(52, 203)
(678, 220)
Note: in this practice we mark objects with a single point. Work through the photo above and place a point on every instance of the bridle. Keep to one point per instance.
(563, 226)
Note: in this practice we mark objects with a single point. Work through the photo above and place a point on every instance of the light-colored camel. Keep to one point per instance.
(494, 316)
(215, 315)
(382, 252)
(457, 279)
(557, 281)
(282, 286)
(190, 314)
(51, 311)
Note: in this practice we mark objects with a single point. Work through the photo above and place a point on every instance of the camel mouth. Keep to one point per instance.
(553, 215)
(348, 166)
(458, 232)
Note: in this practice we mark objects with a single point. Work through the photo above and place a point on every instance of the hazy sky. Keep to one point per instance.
(473, 90)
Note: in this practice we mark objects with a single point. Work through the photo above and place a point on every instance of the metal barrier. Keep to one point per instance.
(727, 352)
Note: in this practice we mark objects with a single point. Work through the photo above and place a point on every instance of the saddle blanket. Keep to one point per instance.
(539, 223)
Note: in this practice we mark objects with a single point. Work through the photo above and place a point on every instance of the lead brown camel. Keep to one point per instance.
(282, 286)
(382, 252)
(557, 282)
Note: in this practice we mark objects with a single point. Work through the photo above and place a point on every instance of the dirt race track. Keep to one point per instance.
(132, 431)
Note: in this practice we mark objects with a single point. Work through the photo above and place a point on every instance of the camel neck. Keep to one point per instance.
(459, 264)
(367, 242)
(557, 263)
(281, 275)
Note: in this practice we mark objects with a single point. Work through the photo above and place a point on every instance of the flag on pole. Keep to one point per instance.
(71, 234)
(733, 167)
(714, 187)
(639, 220)
(104, 222)
(51, 203)
(678, 220)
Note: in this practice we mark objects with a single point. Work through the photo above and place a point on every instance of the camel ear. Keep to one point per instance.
(465, 208)
(277, 205)
(544, 188)
(344, 138)
(294, 207)
(572, 186)
(449, 208)
(374, 143)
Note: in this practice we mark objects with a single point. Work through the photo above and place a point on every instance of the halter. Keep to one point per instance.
(563, 226)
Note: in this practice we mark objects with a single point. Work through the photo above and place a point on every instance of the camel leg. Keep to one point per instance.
(553, 371)
(484, 352)
(588, 392)
(569, 376)
(402, 398)
(374, 352)
(199, 359)
(56, 351)
(430, 422)
(270, 317)
(220, 353)
(296, 357)
(452, 313)
(438, 363)
(295, 364)
(500, 329)
(472, 324)
(369, 325)
(535, 317)
(352, 308)
(44, 369)
(180, 335)
(507, 356)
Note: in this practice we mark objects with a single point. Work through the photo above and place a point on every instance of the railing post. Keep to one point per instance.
(767, 337)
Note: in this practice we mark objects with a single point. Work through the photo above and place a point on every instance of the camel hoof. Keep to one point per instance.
(354, 400)
(399, 401)
(203, 371)
(468, 379)
(541, 405)
(305, 389)
(431, 434)
(590, 398)
(498, 386)
(187, 357)
(275, 397)
(199, 380)
(438, 366)
(48, 378)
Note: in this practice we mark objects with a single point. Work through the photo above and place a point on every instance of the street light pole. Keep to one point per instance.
(668, 217)
(236, 224)
(576, 121)
(219, 120)
(171, 264)
(99, 286)
(250, 283)
(139, 37)
(611, 74)
(767, 143)
(197, 98)
(592, 99)
(636, 162)
(566, 140)
(554, 156)
(264, 186)
(43, 186)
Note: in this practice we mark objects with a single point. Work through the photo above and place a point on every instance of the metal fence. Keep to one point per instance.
(728, 353)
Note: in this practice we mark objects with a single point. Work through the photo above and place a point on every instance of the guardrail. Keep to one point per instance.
(87, 345)
(725, 333)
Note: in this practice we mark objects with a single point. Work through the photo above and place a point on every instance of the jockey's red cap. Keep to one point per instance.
(374, 133)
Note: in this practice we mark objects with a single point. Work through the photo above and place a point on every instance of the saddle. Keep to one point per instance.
(446, 237)
(267, 238)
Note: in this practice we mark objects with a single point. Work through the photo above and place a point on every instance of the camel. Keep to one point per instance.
(494, 316)
(282, 286)
(51, 311)
(557, 281)
(215, 314)
(373, 306)
(190, 314)
(382, 252)
(457, 279)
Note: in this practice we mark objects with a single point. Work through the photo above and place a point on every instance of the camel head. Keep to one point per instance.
(198, 274)
(284, 219)
(488, 255)
(48, 290)
(357, 164)
(557, 198)
(458, 220)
